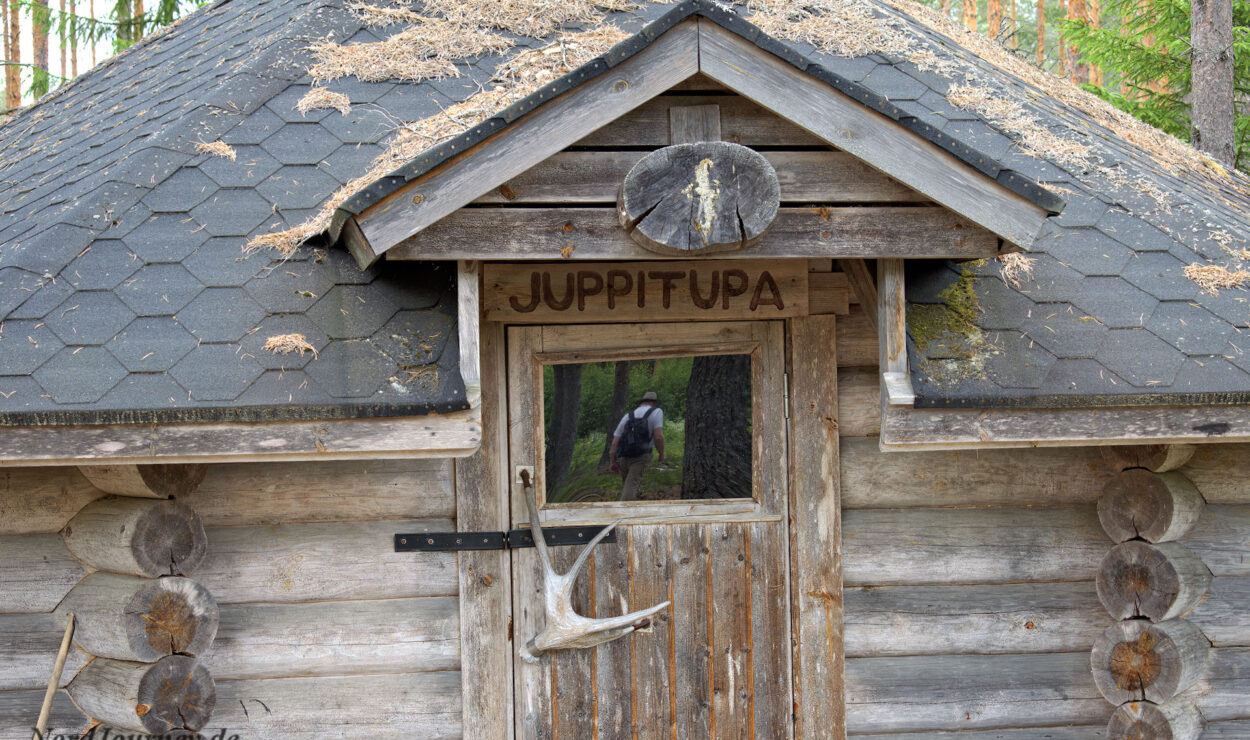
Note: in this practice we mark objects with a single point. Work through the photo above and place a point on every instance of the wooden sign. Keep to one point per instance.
(645, 291)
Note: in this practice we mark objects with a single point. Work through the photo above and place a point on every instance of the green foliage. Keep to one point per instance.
(668, 378)
(1146, 57)
(586, 481)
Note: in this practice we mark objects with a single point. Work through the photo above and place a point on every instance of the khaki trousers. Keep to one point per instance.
(632, 469)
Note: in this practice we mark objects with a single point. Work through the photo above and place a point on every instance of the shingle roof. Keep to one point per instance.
(125, 296)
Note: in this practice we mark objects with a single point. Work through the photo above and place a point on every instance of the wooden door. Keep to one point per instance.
(716, 663)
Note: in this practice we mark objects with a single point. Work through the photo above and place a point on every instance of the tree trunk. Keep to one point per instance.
(73, 38)
(141, 619)
(140, 23)
(566, 401)
(39, 31)
(1078, 70)
(994, 15)
(12, 78)
(946, 8)
(1211, 37)
(1159, 582)
(620, 404)
(1041, 33)
(1135, 660)
(969, 14)
(1157, 507)
(62, 27)
(174, 693)
(717, 457)
(138, 537)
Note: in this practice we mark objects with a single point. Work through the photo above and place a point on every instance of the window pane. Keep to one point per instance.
(606, 424)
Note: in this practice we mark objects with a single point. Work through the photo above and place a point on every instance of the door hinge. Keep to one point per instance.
(512, 539)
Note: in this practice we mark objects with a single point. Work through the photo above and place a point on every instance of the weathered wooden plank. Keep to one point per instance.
(433, 435)
(849, 125)
(40, 500)
(816, 538)
(692, 646)
(1224, 616)
(1220, 472)
(323, 561)
(742, 122)
(676, 291)
(938, 620)
(28, 647)
(278, 493)
(859, 402)
(1222, 694)
(733, 688)
(596, 234)
(1033, 733)
(485, 578)
(1227, 731)
(690, 123)
(770, 629)
(1222, 539)
(857, 337)
(614, 676)
(654, 685)
(872, 479)
(468, 313)
(145, 481)
(862, 283)
(36, 571)
(20, 709)
(336, 638)
(424, 705)
(934, 546)
(573, 670)
(531, 139)
(896, 387)
(986, 428)
(828, 293)
(585, 177)
(971, 692)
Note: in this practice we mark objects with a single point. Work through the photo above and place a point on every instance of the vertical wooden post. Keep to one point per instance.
(816, 531)
(468, 290)
(892, 326)
(486, 577)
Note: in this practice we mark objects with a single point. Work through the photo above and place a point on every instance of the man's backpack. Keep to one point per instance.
(636, 438)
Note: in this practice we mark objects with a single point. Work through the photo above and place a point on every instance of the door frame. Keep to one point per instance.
(814, 506)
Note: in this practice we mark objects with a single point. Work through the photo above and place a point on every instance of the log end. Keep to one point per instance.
(171, 616)
(1136, 660)
(169, 540)
(177, 693)
(1155, 458)
(1143, 720)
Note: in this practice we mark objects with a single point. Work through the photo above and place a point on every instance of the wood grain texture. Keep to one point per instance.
(863, 283)
(857, 337)
(541, 133)
(688, 124)
(1223, 615)
(434, 435)
(1154, 458)
(1221, 539)
(594, 177)
(28, 648)
(19, 709)
(1219, 472)
(468, 313)
(573, 671)
(36, 571)
(424, 705)
(770, 653)
(614, 675)
(692, 624)
(40, 500)
(595, 234)
(859, 402)
(926, 694)
(1136, 659)
(742, 122)
(1157, 507)
(953, 620)
(1094, 732)
(935, 546)
(174, 693)
(336, 638)
(856, 129)
(145, 481)
(872, 479)
(323, 561)
(1227, 731)
(816, 536)
(1158, 582)
(485, 578)
(281, 493)
(952, 429)
(654, 690)
(138, 537)
(1221, 695)
(733, 686)
(1139, 720)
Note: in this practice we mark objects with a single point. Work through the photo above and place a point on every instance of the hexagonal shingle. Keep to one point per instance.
(1002, 307)
(46, 297)
(215, 372)
(1161, 275)
(298, 186)
(1115, 303)
(363, 125)
(1140, 357)
(47, 251)
(250, 166)
(414, 337)
(159, 290)
(79, 374)
(1051, 281)
(280, 325)
(232, 213)
(1089, 252)
(351, 369)
(301, 143)
(221, 263)
(166, 237)
(151, 344)
(103, 266)
(16, 287)
(25, 345)
(143, 391)
(279, 387)
(221, 315)
(1210, 375)
(289, 287)
(1191, 329)
(1022, 363)
(351, 312)
(1064, 331)
(89, 318)
(181, 191)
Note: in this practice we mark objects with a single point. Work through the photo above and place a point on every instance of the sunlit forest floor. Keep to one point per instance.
(587, 481)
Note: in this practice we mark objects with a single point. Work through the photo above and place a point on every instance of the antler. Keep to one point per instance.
(564, 627)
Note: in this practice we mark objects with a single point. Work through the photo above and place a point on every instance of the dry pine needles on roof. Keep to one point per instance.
(217, 149)
(285, 344)
(1214, 278)
(319, 98)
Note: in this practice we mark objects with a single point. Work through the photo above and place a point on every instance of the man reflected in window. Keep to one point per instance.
(638, 432)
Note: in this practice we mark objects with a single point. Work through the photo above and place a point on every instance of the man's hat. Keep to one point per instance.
(650, 396)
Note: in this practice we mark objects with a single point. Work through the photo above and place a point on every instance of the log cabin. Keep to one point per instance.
(283, 286)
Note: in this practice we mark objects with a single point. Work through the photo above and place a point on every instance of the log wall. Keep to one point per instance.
(971, 605)
(323, 628)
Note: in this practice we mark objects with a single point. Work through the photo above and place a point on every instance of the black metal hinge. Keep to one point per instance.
(456, 541)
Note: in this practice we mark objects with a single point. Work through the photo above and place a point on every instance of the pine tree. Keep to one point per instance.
(1150, 66)
(39, 18)
(12, 55)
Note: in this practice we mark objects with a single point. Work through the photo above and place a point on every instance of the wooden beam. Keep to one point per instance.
(854, 128)
(860, 279)
(892, 321)
(940, 429)
(534, 137)
(468, 312)
(596, 234)
(434, 435)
